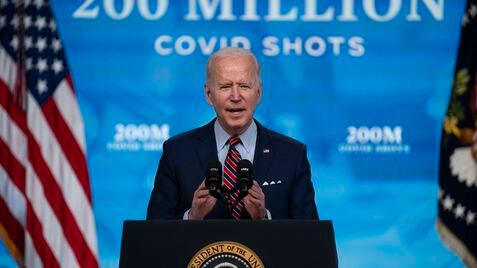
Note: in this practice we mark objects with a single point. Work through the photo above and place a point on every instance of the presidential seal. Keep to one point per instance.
(225, 254)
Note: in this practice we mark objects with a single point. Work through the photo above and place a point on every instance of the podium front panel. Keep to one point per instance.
(276, 243)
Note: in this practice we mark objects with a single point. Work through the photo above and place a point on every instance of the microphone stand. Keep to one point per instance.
(219, 195)
(241, 196)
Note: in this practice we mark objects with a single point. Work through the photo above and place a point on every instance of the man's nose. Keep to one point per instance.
(235, 93)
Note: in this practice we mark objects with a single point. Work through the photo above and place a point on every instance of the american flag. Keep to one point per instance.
(457, 221)
(46, 215)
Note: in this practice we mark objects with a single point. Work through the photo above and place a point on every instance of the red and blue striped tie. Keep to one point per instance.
(230, 175)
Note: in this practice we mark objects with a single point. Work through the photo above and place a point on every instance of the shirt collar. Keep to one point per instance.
(248, 137)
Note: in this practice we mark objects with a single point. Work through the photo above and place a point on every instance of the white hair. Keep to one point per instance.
(230, 52)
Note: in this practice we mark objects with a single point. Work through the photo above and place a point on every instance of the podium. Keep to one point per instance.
(228, 243)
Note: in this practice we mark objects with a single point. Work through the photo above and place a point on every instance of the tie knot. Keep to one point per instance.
(233, 141)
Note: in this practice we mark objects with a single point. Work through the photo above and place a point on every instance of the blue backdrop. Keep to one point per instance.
(364, 84)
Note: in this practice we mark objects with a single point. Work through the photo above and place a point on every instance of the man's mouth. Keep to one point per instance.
(235, 111)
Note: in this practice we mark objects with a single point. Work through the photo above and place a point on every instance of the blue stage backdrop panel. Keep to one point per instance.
(364, 84)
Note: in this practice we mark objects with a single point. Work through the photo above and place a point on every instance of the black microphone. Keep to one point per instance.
(244, 176)
(213, 180)
(213, 176)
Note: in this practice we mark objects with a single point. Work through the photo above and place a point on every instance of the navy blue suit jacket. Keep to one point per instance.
(277, 158)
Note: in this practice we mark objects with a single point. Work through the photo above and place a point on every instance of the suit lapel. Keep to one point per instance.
(263, 153)
(206, 148)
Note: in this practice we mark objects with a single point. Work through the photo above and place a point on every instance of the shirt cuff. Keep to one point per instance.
(186, 215)
(269, 215)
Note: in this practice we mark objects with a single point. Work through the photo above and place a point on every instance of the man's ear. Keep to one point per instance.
(208, 95)
(259, 92)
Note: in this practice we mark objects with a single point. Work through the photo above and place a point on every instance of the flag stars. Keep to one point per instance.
(38, 3)
(470, 219)
(40, 23)
(41, 65)
(57, 66)
(14, 43)
(52, 25)
(465, 20)
(448, 203)
(473, 11)
(459, 211)
(56, 44)
(28, 42)
(14, 21)
(440, 193)
(27, 22)
(41, 86)
(2, 21)
(41, 44)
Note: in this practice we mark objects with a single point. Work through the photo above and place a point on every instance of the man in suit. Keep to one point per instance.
(282, 187)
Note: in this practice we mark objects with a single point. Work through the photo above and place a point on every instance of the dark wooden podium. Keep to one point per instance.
(202, 243)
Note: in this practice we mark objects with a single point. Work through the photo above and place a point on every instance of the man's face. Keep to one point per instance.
(234, 91)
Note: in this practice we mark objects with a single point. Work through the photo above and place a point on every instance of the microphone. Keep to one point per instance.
(213, 180)
(213, 176)
(244, 176)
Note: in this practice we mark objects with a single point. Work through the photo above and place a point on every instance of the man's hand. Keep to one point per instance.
(202, 203)
(255, 202)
